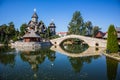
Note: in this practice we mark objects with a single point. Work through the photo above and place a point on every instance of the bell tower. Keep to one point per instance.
(52, 28)
(35, 16)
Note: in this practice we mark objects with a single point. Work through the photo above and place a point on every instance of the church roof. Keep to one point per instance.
(31, 34)
(35, 15)
(32, 24)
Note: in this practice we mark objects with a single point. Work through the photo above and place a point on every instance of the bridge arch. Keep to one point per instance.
(70, 39)
(93, 42)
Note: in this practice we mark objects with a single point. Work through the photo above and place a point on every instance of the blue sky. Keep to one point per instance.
(101, 13)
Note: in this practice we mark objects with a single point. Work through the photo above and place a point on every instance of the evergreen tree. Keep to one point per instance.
(76, 24)
(112, 42)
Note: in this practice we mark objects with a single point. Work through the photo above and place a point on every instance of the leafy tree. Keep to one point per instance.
(95, 30)
(89, 27)
(11, 30)
(3, 32)
(17, 36)
(17, 32)
(22, 29)
(76, 24)
(7, 32)
(84, 31)
(112, 42)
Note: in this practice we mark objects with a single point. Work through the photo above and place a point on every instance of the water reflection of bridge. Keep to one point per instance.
(91, 51)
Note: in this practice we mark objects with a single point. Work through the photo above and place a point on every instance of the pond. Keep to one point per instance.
(46, 64)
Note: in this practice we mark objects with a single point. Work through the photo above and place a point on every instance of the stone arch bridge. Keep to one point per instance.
(93, 42)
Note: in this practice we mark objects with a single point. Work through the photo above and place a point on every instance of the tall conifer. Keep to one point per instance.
(112, 42)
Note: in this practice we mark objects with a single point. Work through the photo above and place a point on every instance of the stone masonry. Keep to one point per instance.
(93, 42)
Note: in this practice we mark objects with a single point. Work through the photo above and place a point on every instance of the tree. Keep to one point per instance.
(8, 32)
(11, 30)
(95, 30)
(89, 27)
(3, 32)
(112, 42)
(17, 36)
(84, 31)
(76, 24)
(17, 32)
(22, 29)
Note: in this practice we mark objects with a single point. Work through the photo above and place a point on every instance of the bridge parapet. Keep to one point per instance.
(93, 42)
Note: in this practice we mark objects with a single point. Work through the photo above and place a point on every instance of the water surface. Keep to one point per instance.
(45, 64)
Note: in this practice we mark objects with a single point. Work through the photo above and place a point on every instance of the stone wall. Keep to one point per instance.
(30, 44)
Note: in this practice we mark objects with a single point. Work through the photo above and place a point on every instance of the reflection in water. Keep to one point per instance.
(91, 51)
(74, 48)
(5, 57)
(36, 65)
(77, 63)
(38, 55)
(4, 49)
(112, 67)
(34, 58)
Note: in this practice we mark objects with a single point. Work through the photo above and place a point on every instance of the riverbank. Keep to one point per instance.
(115, 56)
(30, 44)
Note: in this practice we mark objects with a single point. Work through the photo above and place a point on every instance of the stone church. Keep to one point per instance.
(35, 27)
